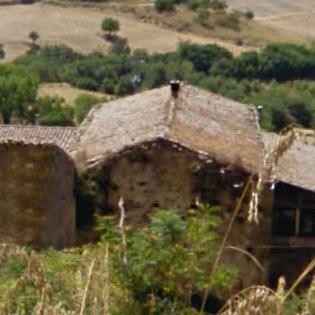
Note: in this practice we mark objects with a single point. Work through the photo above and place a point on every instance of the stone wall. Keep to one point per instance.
(166, 175)
(36, 196)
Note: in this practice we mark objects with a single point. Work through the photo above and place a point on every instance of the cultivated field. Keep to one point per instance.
(302, 24)
(296, 17)
(273, 8)
(66, 91)
(79, 28)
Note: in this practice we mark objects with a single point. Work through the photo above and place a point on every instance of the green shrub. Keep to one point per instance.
(18, 87)
(108, 86)
(86, 83)
(249, 15)
(82, 105)
(155, 75)
(124, 86)
(164, 5)
(28, 1)
(170, 255)
(119, 46)
(52, 111)
(217, 4)
(202, 56)
(239, 42)
(230, 20)
(193, 4)
(33, 36)
(110, 26)
(202, 16)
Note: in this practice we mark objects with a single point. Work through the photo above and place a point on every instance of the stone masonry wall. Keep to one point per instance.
(165, 175)
(36, 196)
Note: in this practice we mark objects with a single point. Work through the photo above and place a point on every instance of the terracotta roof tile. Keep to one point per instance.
(63, 137)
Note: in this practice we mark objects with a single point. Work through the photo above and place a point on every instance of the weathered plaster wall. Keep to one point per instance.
(36, 196)
(163, 175)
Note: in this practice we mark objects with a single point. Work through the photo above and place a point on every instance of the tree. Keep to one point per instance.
(18, 89)
(164, 5)
(202, 56)
(120, 46)
(249, 15)
(33, 36)
(124, 86)
(2, 52)
(202, 16)
(82, 105)
(53, 111)
(110, 26)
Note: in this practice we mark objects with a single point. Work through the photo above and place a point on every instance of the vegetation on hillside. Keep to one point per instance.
(280, 77)
(209, 13)
(18, 89)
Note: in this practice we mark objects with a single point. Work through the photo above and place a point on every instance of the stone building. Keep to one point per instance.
(161, 148)
(37, 204)
(293, 211)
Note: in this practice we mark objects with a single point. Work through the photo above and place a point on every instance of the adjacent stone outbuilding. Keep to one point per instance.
(293, 211)
(37, 205)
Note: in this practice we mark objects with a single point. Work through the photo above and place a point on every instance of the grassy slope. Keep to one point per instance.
(254, 33)
(66, 91)
(79, 28)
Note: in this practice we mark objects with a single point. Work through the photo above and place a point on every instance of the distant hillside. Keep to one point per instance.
(79, 28)
(77, 25)
(66, 91)
(272, 8)
(286, 16)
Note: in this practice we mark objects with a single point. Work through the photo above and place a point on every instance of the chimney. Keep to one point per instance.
(175, 87)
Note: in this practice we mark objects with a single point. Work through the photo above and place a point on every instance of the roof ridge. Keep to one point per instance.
(170, 113)
(172, 106)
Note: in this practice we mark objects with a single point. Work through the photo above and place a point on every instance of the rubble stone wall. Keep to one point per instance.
(37, 205)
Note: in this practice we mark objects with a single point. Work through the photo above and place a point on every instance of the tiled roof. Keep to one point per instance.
(63, 137)
(296, 166)
(199, 120)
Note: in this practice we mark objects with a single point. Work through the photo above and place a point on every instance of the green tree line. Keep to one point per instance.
(280, 77)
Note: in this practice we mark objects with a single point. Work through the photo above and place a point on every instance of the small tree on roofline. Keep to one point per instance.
(110, 26)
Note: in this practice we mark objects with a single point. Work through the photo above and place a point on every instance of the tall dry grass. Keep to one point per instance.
(261, 300)
(92, 289)
(96, 292)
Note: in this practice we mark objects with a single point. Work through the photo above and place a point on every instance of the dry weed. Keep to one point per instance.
(283, 142)
(91, 292)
